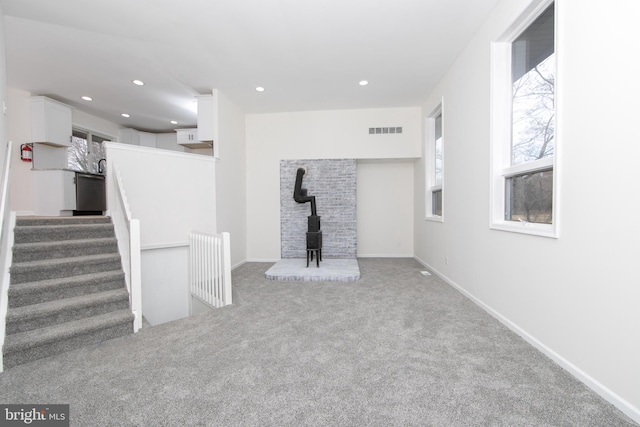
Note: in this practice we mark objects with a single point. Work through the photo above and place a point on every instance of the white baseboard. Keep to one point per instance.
(263, 259)
(627, 408)
(25, 213)
(234, 266)
(384, 256)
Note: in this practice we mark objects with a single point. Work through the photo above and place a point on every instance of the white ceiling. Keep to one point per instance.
(307, 54)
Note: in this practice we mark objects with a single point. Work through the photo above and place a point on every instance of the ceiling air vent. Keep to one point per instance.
(375, 131)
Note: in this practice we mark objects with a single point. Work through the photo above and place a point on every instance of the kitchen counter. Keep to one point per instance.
(67, 170)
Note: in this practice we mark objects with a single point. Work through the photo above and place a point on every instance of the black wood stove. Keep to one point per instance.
(314, 233)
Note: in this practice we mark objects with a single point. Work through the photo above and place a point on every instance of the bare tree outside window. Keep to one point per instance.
(83, 155)
(533, 126)
(78, 155)
(529, 195)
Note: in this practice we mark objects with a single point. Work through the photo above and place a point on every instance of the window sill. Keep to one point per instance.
(542, 230)
(434, 218)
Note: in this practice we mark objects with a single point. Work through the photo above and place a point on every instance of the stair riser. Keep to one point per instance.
(26, 254)
(19, 297)
(23, 325)
(20, 357)
(24, 274)
(36, 234)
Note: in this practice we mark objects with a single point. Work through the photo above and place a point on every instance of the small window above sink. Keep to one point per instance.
(86, 151)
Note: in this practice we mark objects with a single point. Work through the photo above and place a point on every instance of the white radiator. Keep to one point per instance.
(210, 268)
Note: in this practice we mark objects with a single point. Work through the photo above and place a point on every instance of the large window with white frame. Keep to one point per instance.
(523, 126)
(434, 161)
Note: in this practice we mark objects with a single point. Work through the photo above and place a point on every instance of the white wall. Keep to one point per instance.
(385, 208)
(575, 297)
(314, 135)
(165, 289)
(231, 181)
(168, 141)
(19, 131)
(3, 90)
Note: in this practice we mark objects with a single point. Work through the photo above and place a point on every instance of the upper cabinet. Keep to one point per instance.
(50, 121)
(206, 134)
(129, 136)
(189, 138)
(208, 120)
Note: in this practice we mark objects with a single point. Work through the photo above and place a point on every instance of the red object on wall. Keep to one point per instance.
(26, 153)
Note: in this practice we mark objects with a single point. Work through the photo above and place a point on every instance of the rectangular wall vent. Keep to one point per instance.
(375, 131)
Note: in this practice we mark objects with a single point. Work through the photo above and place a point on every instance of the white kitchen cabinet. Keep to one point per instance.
(136, 137)
(50, 121)
(129, 136)
(208, 119)
(54, 192)
(189, 138)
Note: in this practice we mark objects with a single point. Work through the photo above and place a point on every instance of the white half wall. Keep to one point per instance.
(314, 135)
(577, 298)
(171, 193)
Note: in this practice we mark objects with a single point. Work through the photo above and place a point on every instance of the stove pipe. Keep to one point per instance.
(300, 194)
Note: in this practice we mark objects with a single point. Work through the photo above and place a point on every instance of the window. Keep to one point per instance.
(434, 164)
(523, 126)
(84, 156)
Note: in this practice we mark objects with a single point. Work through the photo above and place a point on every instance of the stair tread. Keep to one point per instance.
(52, 307)
(63, 219)
(96, 240)
(63, 226)
(60, 281)
(58, 261)
(37, 337)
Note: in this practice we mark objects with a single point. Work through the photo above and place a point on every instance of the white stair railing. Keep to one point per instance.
(7, 221)
(210, 268)
(128, 235)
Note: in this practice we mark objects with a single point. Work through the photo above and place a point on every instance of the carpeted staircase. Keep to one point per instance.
(67, 288)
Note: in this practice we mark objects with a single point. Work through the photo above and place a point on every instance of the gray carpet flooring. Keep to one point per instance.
(394, 348)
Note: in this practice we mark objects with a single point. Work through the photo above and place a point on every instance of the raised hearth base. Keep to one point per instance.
(331, 270)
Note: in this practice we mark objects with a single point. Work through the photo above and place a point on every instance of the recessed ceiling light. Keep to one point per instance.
(260, 89)
(138, 82)
(125, 115)
(173, 122)
(87, 98)
(363, 83)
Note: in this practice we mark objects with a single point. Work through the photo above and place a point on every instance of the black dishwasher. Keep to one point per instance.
(91, 195)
